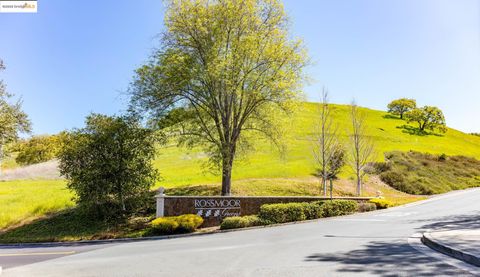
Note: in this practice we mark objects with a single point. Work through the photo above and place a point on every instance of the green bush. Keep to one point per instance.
(164, 225)
(366, 207)
(188, 223)
(175, 224)
(393, 179)
(338, 207)
(426, 174)
(381, 203)
(109, 165)
(313, 210)
(289, 212)
(241, 222)
(281, 213)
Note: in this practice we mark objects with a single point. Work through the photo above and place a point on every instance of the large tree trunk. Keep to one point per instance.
(226, 180)
(331, 189)
(324, 181)
(227, 165)
(359, 184)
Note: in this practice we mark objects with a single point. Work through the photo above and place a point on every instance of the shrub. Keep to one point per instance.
(338, 207)
(393, 179)
(288, 212)
(175, 224)
(108, 164)
(382, 166)
(313, 210)
(381, 203)
(366, 207)
(241, 222)
(188, 223)
(281, 213)
(164, 225)
(442, 157)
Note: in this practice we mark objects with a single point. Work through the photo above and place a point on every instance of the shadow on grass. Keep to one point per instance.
(414, 131)
(67, 225)
(386, 258)
(197, 190)
(390, 116)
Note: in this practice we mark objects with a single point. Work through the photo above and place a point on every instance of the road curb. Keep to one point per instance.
(436, 245)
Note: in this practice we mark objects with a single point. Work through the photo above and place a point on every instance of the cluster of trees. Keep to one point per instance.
(37, 149)
(13, 120)
(329, 151)
(427, 117)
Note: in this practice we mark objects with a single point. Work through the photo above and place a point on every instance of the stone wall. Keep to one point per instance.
(214, 208)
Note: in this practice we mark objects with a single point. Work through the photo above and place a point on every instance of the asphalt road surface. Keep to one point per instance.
(381, 243)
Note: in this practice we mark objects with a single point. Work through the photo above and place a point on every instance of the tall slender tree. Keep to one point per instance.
(228, 66)
(362, 147)
(325, 141)
(13, 120)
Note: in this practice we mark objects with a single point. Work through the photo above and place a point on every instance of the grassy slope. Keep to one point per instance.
(262, 173)
(419, 173)
(181, 167)
(24, 200)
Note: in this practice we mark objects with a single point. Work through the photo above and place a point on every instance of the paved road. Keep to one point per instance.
(374, 244)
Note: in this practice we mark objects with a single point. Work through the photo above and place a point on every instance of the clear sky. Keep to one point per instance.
(77, 57)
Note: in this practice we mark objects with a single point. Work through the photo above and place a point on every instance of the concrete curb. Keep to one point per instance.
(436, 245)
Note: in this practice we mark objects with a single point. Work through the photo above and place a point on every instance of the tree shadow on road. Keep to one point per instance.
(454, 222)
(388, 258)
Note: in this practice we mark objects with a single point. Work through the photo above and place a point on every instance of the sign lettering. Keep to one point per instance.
(217, 207)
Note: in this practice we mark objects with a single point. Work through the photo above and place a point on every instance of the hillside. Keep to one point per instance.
(182, 167)
(421, 173)
(262, 172)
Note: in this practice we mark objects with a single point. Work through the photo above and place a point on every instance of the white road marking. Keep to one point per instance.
(396, 214)
(360, 219)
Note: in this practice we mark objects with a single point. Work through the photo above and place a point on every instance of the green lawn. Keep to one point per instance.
(21, 201)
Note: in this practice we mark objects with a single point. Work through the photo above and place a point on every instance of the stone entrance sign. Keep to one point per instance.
(213, 209)
(217, 207)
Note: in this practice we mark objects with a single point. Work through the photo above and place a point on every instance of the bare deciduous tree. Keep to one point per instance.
(362, 148)
(325, 141)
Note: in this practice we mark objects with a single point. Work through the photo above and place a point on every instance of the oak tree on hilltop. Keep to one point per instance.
(401, 106)
(428, 118)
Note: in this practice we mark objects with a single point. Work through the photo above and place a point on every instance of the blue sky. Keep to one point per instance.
(77, 57)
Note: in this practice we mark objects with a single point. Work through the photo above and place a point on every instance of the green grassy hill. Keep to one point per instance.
(182, 167)
(262, 172)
